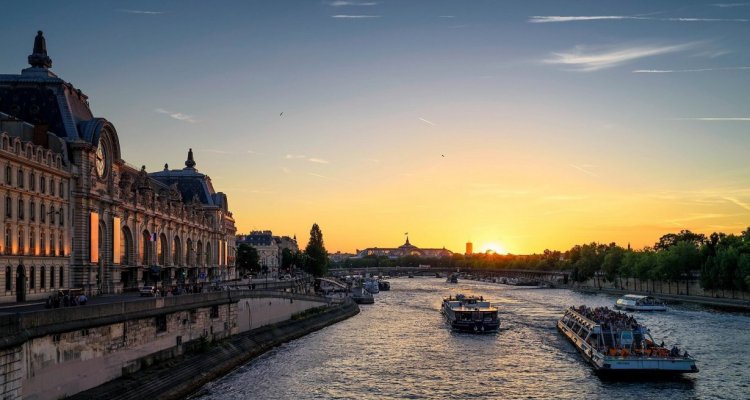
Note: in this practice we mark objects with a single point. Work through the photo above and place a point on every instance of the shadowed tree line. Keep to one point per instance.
(722, 261)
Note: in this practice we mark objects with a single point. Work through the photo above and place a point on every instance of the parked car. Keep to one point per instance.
(148, 291)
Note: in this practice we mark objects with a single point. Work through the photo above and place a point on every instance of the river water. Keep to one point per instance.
(401, 348)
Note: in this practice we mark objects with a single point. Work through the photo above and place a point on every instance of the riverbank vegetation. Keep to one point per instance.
(721, 262)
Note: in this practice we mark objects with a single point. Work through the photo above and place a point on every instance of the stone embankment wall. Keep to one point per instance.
(661, 288)
(188, 373)
(57, 353)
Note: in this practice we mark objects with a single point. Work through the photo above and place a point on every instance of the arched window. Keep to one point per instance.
(42, 213)
(32, 242)
(8, 175)
(62, 280)
(176, 252)
(189, 252)
(61, 192)
(32, 278)
(62, 217)
(21, 243)
(127, 246)
(20, 209)
(42, 185)
(32, 210)
(146, 248)
(163, 250)
(52, 243)
(8, 240)
(32, 181)
(208, 253)
(8, 207)
(8, 281)
(42, 277)
(20, 178)
(51, 277)
(42, 243)
(52, 186)
(199, 253)
(62, 245)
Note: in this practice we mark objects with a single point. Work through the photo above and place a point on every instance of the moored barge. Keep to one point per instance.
(616, 344)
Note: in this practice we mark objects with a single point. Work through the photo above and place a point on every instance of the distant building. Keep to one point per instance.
(269, 248)
(339, 256)
(469, 248)
(406, 249)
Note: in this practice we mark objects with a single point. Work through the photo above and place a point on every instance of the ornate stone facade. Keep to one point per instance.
(35, 237)
(128, 227)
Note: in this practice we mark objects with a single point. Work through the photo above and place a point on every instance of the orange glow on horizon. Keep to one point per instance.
(494, 248)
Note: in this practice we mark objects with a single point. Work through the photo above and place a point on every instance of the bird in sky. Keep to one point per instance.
(281, 114)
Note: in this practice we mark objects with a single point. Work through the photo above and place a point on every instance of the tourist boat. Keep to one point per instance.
(453, 278)
(615, 344)
(634, 302)
(470, 314)
(362, 296)
(371, 285)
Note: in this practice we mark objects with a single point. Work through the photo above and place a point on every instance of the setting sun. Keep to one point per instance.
(494, 248)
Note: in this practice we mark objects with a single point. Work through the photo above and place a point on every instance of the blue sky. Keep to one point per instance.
(523, 124)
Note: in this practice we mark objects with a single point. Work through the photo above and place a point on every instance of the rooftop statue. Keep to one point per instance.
(39, 58)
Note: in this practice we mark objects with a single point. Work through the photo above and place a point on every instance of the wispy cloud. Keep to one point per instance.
(669, 71)
(586, 169)
(563, 197)
(447, 16)
(427, 121)
(541, 19)
(145, 12)
(350, 16)
(738, 202)
(320, 176)
(719, 119)
(227, 152)
(346, 3)
(177, 115)
(583, 59)
(306, 158)
(730, 5)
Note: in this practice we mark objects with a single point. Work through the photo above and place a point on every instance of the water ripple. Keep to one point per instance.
(400, 348)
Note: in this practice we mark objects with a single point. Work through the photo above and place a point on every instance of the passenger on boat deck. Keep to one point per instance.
(608, 318)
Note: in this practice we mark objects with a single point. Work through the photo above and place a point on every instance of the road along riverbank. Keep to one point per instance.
(181, 376)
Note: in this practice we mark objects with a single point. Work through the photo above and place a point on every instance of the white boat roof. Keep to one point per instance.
(635, 297)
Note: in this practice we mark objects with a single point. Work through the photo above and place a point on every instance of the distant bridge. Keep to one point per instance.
(547, 277)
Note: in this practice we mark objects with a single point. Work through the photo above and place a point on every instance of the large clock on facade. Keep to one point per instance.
(102, 160)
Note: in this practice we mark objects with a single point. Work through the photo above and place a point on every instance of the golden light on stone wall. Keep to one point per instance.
(94, 237)
(116, 250)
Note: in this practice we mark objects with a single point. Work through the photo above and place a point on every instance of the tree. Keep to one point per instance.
(316, 256)
(247, 258)
(287, 258)
(613, 263)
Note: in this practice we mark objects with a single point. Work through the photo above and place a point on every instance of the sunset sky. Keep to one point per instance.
(522, 125)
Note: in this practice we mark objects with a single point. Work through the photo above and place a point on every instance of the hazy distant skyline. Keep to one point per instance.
(520, 124)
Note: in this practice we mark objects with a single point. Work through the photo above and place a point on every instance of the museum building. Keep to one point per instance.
(76, 215)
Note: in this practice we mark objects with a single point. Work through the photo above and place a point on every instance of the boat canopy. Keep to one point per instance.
(635, 297)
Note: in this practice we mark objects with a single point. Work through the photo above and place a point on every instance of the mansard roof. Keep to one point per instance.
(191, 184)
(41, 98)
